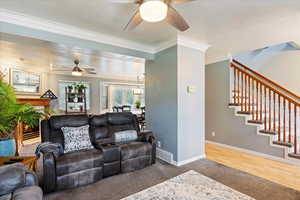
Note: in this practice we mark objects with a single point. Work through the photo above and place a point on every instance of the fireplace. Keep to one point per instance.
(24, 132)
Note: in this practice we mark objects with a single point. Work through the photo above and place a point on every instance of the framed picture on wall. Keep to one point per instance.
(25, 82)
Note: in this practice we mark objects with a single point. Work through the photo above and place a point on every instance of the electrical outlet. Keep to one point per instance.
(213, 134)
(158, 144)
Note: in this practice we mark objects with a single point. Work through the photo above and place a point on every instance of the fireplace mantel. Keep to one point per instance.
(35, 101)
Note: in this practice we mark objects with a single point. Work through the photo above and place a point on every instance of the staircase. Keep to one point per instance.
(272, 108)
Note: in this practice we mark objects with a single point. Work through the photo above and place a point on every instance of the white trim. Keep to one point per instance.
(187, 161)
(68, 30)
(164, 45)
(255, 153)
(37, 23)
(194, 44)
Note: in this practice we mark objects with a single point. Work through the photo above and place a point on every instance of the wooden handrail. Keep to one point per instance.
(266, 79)
(270, 87)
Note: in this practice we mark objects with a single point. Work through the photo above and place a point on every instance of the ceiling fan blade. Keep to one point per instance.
(176, 20)
(179, 1)
(135, 20)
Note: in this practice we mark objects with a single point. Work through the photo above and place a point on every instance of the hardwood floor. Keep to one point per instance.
(278, 172)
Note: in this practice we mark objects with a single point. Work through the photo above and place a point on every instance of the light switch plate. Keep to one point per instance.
(191, 89)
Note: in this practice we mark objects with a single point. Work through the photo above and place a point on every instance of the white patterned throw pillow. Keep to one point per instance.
(76, 138)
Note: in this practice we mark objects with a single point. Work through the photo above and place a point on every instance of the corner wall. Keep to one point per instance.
(175, 115)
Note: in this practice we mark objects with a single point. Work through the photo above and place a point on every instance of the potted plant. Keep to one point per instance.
(80, 87)
(11, 114)
(138, 104)
(70, 88)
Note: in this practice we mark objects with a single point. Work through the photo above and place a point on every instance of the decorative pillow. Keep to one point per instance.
(76, 138)
(125, 136)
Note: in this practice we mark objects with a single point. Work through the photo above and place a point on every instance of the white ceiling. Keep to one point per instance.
(228, 26)
(18, 51)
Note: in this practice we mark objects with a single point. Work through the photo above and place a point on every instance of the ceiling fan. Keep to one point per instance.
(76, 70)
(155, 11)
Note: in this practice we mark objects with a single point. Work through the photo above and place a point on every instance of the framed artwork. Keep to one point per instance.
(25, 82)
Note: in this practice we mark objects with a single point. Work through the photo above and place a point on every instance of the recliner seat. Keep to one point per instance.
(83, 167)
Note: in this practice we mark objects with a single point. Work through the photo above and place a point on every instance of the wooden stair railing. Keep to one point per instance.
(269, 104)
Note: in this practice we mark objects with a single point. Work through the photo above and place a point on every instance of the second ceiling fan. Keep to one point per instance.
(155, 11)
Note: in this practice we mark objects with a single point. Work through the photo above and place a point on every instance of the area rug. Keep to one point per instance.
(189, 186)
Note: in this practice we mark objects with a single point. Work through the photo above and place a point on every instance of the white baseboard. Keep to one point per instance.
(255, 153)
(168, 157)
(187, 161)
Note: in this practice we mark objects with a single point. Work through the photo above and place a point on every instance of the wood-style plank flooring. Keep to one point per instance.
(275, 171)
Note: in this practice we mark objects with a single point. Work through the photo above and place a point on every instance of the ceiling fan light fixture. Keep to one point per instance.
(153, 11)
(76, 71)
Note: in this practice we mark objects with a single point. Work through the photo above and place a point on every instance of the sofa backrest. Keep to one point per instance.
(98, 127)
(55, 123)
(101, 126)
(121, 122)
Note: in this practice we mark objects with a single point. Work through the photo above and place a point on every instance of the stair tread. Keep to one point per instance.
(234, 104)
(255, 121)
(244, 112)
(283, 143)
(294, 155)
(268, 132)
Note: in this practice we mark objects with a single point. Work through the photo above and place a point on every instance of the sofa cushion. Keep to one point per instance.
(135, 149)
(57, 122)
(76, 138)
(28, 193)
(6, 196)
(12, 177)
(77, 161)
(125, 136)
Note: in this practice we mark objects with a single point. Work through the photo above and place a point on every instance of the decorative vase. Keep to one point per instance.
(7, 147)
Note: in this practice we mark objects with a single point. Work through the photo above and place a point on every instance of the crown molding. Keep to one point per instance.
(191, 43)
(164, 45)
(28, 21)
(21, 19)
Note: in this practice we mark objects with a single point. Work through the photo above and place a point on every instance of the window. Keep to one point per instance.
(62, 101)
(114, 94)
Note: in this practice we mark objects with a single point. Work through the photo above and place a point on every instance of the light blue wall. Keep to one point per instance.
(161, 98)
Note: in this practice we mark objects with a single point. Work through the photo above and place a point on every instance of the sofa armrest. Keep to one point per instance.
(98, 143)
(49, 148)
(50, 151)
(49, 172)
(12, 177)
(147, 136)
